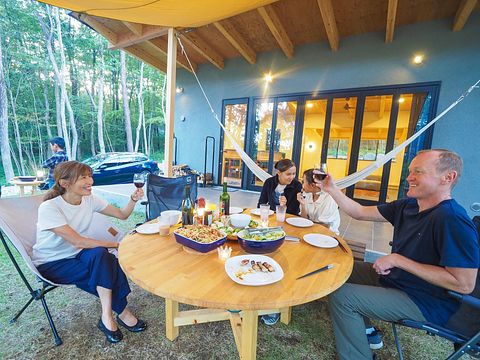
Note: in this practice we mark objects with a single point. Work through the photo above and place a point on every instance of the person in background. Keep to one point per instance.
(282, 189)
(65, 255)
(318, 206)
(435, 247)
(57, 145)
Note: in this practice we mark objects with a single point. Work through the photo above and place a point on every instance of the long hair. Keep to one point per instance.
(67, 170)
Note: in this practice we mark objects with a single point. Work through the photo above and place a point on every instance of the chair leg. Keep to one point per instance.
(58, 340)
(461, 351)
(397, 341)
(21, 310)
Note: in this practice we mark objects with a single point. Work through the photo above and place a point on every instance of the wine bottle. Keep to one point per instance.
(224, 201)
(187, 208)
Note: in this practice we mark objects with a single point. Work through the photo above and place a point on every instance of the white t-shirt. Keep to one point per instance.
(324, 210)
(57, 212)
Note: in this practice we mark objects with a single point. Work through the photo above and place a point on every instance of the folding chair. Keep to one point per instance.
(167, 193)
(462, 329)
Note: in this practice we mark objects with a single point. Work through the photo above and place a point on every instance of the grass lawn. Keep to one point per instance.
(309, 335)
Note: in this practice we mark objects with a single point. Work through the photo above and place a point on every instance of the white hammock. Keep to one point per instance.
(341, 183)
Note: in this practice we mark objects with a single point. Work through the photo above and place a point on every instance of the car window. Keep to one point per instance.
(109, 165)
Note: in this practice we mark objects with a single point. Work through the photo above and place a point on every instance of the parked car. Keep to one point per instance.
(119, 167)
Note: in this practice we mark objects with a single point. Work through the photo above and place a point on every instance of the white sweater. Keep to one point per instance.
(324, 210)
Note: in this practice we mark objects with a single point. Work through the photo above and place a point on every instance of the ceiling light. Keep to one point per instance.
(401, 100)
(179, 90)
(309, 105)
(418, 59)
(268, 78)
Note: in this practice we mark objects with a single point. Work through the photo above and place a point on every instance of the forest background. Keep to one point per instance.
(58, 78)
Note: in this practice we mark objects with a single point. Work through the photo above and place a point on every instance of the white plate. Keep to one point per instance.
(299, 222)
(233, 265)
(148, 229)
(235, 210)
(257, 212)
(320, 240)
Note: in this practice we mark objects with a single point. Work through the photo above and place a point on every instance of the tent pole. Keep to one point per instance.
(170, 101)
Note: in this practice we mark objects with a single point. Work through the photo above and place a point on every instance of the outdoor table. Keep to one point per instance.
(21, 185)
(163, 267)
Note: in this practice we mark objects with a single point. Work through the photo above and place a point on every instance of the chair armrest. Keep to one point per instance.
(467, 299)
(144, 203)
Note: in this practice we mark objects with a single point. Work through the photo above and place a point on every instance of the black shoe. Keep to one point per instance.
(139, 326)
(112, 336)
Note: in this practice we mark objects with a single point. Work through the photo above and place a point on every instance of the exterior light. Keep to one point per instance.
(418, 59)
(401, 100)
(179, 90)
(268, 78)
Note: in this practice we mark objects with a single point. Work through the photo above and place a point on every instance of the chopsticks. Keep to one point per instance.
(326, 267)
(341, 245)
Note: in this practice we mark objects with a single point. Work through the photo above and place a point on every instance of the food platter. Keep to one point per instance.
(208, 238)
(244, 274)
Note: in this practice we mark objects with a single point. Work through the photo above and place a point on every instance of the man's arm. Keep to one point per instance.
(461, 280)
(348, 205)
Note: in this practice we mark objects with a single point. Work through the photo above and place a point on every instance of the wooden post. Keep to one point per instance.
(249, 335)
(170, 101)
(171, 312)
(286, 315)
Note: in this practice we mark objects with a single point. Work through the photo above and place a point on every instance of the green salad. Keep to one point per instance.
(274, 235)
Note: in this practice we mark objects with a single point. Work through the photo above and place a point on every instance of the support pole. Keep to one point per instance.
(170, 101)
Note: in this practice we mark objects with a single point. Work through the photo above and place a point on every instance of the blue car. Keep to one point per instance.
(119, 167)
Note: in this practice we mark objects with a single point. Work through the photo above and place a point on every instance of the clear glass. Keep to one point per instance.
(139, 180)
(264, 212)
(320, 172)
(281, 211)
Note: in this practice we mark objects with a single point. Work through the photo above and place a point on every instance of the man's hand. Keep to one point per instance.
(327, 184)
(384, 264)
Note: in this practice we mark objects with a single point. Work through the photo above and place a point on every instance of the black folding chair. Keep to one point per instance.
(167, 193)
(462, 329)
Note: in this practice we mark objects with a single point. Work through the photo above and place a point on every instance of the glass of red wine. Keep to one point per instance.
(139, 180)
(320, 172)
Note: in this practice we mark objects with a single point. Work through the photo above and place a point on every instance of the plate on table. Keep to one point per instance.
(257, 212)
(148, 229)
(320, 240)
(299, 222)
(235, 210)
(246, 275)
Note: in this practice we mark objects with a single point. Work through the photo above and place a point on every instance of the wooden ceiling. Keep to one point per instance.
(283, 25)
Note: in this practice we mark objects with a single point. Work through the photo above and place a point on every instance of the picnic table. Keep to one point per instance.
(163, 267)
(21, 184)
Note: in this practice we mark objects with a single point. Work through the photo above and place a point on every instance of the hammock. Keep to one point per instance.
(341, 183)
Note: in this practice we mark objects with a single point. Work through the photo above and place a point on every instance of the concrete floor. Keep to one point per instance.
(376, 236)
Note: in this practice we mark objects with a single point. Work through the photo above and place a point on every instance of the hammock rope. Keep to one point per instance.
(348, 180)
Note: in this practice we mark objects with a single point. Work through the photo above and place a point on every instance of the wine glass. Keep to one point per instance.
(139, 180)
(320, 172)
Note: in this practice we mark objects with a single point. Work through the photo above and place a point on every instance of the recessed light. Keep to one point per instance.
(401, 100)
(309, 105)
(418, 59)
(179, 90)
(268, 78)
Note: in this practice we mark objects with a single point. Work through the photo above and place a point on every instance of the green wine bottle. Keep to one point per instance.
(224, 201)
(187, 208)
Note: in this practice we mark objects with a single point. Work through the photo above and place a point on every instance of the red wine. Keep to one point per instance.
(139, 184)
(320, 176)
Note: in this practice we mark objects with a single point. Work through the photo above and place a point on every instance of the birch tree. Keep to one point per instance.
(4, 142)
(101, 81)
(126, 107)
(141, 115)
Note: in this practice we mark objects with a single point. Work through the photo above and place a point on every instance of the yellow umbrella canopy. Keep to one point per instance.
(170, 13)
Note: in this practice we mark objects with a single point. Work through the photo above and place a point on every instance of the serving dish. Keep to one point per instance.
(201, 245)
(260, 243)
(27, 178)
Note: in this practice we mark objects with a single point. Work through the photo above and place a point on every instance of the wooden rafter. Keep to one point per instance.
(391, 15)
(326, 9)
(144, 56)
(129, 39)
(204, 49)
(103, 30)
(273, 22)
(135, 28)
(463, 13)
(238, 42)
(162, 44)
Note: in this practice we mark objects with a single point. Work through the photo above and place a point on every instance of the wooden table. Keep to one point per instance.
(21, 185)
(162, 267)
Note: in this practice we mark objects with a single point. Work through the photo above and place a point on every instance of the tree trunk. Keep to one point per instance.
(4, 142)
(58, 110)
(126, 107)
(16, 130)
(140, 108)
(47, 110)
(100, 106)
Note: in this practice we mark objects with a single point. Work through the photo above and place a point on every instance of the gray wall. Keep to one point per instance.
(361, 61)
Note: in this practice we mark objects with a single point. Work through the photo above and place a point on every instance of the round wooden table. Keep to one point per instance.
(163, 267)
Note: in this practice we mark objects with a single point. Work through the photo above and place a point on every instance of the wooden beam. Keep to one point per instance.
(170, 102)
(135, 28)
(238, 42)
(463, 13)
(391, 15)
(103, 30)
(161, 44)
(144, 56)
(202, 47)
(129, 39)
(326, 9)
(273, 22)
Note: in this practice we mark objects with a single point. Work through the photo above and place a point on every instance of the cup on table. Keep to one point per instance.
(281, 210)
(163, 226)
(264, 212)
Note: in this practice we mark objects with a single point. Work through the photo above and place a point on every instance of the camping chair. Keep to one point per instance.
(167, 193)
(18, 220)
(463, 328)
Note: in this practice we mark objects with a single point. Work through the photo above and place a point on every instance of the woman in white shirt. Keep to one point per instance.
(65, 254)
(318, 206)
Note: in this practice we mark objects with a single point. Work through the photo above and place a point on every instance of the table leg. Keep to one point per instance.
(34, 189)
(249, 335)
(286, 315)
(22, 192)
(171, 312)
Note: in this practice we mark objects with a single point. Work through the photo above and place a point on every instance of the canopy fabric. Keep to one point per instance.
(170, 13)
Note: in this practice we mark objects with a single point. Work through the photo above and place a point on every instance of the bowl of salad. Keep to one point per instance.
(261, 241)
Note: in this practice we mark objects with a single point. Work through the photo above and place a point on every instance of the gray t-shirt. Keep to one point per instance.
(57, 212)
